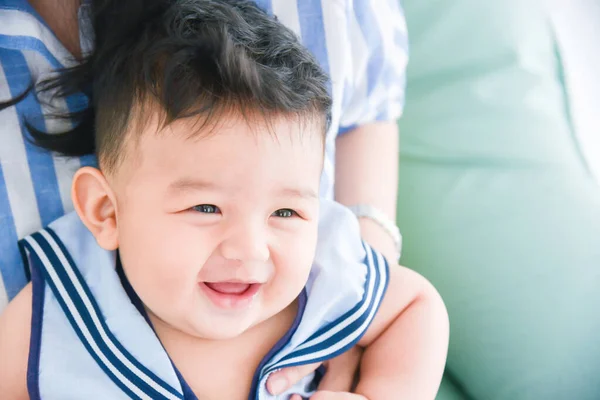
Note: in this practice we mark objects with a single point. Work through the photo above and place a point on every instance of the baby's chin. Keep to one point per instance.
(221, 328)
(207, 322)
(220, 335)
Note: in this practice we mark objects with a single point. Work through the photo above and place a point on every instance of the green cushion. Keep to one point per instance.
(496, 206)
(449, 391)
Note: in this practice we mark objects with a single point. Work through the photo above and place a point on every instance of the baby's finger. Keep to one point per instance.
(284, 379)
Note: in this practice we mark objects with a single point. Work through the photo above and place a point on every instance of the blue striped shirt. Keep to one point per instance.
(361, 44)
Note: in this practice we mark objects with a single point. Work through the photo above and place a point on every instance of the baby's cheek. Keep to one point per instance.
(159, 279)
(292, 279)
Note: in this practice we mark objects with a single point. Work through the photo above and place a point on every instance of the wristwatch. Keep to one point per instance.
(381, 219)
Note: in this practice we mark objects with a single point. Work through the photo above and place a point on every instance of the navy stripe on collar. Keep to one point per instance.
(343, 333)
(84, 314)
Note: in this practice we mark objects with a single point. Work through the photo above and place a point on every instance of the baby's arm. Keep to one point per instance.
(15, 324)
(406, 344)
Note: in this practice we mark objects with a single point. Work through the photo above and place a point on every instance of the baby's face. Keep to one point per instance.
(218, 234)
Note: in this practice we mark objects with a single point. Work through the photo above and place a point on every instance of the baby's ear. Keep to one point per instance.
(95, 203)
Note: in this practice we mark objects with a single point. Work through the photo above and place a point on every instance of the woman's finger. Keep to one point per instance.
(280, 381)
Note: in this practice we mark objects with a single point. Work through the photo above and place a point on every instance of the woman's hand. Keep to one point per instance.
(340, 376)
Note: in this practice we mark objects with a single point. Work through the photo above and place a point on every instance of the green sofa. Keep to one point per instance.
(496, 204)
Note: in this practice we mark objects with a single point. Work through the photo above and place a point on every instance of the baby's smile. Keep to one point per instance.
(231, 295)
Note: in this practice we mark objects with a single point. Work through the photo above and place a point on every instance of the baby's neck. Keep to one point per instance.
(224, 369)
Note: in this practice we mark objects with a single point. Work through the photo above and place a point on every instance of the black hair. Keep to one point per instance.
(190, 57)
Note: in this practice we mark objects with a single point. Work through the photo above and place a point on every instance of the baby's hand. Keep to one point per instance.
(327, 395)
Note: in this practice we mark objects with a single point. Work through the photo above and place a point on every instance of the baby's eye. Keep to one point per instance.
(206, 209)
(285, 213)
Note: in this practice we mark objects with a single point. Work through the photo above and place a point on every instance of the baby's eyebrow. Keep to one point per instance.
(305, 193)
(191, 184)
(187, 184)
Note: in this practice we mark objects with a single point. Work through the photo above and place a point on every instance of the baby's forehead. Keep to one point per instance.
(188, 142)
(306, 129)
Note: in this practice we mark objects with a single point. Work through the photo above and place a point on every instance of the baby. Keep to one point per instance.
(200, 259)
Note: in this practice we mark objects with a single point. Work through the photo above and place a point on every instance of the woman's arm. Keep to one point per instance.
(407, 343)
(367, 173)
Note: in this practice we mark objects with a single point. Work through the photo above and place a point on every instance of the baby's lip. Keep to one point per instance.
(249, 281)
(229, 287)
(230, 295)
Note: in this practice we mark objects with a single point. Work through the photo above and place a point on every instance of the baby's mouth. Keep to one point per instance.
(231, 295)
(228, 287)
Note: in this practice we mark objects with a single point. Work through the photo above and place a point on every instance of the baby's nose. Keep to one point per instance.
(247, 244)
